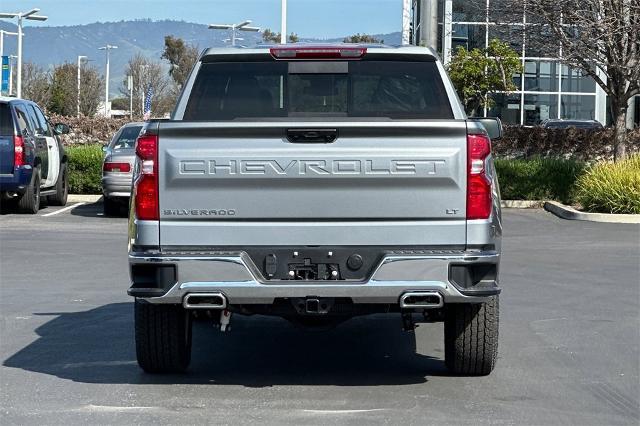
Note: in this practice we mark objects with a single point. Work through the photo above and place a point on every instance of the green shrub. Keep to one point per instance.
(611, 187)
(538, 179)
(85, 169)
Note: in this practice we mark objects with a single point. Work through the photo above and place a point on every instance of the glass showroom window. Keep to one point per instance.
(469, 36)
(578, 107)
(576, 80)
(538, 108)
(541, 76)
(546, 89)
(506, 107)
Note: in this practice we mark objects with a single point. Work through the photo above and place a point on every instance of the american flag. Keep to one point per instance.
(147, 104)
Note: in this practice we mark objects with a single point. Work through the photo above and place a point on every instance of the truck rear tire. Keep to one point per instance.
(471, 337)
(30, 200)
(62, 188)
(163, 337)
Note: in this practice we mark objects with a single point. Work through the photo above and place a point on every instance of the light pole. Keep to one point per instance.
(143, 77)
(283, 22)
(81, 59)
(11, 58)
(2, 34)
(106, 48)
(242, 26)
(30, 15)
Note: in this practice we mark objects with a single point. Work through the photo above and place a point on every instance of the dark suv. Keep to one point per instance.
(33, 163)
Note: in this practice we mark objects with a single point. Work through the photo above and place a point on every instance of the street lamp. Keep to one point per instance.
(283, 22)
(30, 15)
(81, 60)
(242, 26)
(11, 58)
(106, 48)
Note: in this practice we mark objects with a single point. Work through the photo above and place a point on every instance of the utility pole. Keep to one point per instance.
(81, 60)
(11, 58)
(107, 48)
(242, 26)
(130, 87)
(30, 15)
(143, 69)
(428, 27)
(283, 22)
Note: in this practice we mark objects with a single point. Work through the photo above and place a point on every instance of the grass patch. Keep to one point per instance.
(611, 187)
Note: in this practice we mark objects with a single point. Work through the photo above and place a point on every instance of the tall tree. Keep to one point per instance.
(64, 90)
(181, 56)
(91, 88)
(269, 36)
(146, 73)
(599, 37)
(362, 38)
(479, 72)
(36, 83)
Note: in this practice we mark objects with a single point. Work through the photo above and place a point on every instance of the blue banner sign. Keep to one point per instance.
(4, 87)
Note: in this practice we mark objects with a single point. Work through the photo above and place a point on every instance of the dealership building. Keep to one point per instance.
(546, 89)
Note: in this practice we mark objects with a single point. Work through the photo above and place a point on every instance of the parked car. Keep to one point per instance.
(117, 168)
(578, 124)
(33, 163)
(316, 183)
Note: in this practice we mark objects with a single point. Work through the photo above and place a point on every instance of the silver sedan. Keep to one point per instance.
(117, 168)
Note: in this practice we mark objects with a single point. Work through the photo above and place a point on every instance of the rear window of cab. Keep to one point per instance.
(391, 89)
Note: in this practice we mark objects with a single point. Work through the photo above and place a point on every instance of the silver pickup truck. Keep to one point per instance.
(316, 183)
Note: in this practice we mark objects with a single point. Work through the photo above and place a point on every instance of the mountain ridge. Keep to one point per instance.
(51, 45)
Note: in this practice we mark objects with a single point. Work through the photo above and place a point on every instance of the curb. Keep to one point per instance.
(522, 204)
(566, 212)
(83, 198)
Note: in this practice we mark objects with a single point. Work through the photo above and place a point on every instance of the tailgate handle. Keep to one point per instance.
(312, 135)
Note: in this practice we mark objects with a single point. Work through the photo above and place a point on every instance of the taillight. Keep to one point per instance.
(478, 183)
(145, 186)
(318, 52)
(18, 151)
(116, 167)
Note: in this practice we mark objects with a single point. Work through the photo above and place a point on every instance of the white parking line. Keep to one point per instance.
(63, 210)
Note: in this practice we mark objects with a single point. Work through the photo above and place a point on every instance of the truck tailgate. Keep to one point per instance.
(378, 183)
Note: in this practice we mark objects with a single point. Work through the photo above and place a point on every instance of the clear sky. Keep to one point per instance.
(307, 18)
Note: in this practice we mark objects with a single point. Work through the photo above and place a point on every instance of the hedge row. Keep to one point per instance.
(577, 144)
(605, 187)
(539, 179)
(85, 169)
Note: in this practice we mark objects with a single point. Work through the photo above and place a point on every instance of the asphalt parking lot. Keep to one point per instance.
(569, 340)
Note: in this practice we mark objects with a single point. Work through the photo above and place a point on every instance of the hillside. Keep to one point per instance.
(47, 46)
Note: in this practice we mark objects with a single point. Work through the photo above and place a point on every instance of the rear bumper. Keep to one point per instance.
(18, 181)
(118, 185)
(169, 278)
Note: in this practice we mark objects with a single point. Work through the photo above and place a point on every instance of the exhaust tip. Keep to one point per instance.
(421, 299)
(204, 301)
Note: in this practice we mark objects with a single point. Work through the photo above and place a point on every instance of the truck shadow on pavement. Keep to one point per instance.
(97, 346)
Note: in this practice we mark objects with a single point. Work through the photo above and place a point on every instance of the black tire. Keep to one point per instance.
(110, 207)
(163, 337)
(62, 188)
(29, 202)
(471, 337)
